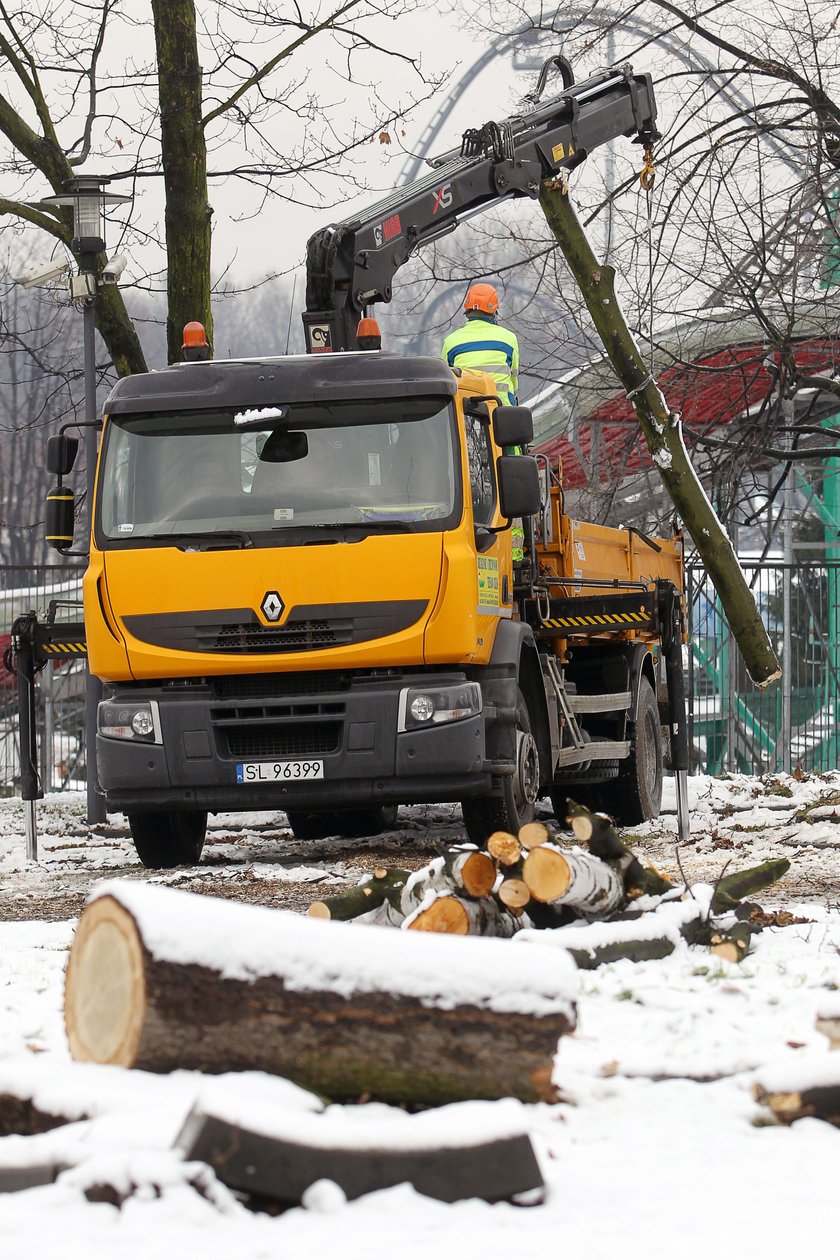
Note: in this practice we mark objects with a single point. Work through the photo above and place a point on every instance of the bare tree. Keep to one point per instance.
(723, 269)
(209, 92)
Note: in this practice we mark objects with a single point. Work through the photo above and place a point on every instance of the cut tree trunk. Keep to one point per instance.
(160, 979)
(663, 434)
(573, 878)
(459, 917)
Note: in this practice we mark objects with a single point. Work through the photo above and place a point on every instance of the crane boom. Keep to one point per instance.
(351, 265)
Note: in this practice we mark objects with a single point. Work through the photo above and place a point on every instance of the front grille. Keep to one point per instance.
(259, 686)
(261, 712)
(285, 741)
(297, 636)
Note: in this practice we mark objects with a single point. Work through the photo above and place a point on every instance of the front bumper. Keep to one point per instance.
(347, 721)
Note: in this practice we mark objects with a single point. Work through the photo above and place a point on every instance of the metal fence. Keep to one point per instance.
(61, 685)
(732, 726)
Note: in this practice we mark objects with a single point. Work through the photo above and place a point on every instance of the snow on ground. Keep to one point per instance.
(658, 1148)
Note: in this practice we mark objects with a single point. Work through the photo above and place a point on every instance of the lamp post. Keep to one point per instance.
(85, 193)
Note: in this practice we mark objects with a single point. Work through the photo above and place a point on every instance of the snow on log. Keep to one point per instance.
(572, 877)
(469, 1150)
(828, 1019)
(162, 979)
(810, 1087)
(655, 934)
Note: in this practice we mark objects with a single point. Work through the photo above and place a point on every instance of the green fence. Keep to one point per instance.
(733, 726)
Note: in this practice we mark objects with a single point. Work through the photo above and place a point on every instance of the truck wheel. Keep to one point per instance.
(169, 837)
(636, 795)
(515, 807)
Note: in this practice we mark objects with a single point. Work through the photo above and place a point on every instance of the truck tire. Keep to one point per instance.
(636, 795)
(169, 837)
(485, 814)
(364, 821)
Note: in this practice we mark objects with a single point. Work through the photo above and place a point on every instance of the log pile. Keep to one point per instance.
(537, 880)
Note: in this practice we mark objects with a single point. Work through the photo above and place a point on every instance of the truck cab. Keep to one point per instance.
(300, 592)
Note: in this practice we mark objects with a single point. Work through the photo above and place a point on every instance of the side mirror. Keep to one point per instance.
(60, 516)
(513, 426)
(61, 454)
(519, 485)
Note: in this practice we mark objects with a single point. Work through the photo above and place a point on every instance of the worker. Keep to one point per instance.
(484, 344)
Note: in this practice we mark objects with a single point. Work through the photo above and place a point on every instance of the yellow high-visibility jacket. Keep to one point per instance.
(482, 344)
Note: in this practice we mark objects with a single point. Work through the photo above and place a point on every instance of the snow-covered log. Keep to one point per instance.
(807, 1088)
(455, 1153)
(163, 979)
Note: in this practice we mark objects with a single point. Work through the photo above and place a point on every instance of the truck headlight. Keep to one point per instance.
(429, 706)
(138, 721)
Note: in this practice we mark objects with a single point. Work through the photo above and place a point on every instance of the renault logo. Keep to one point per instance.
(272, 606)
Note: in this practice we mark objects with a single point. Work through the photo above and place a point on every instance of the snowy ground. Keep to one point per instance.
(658, 1150)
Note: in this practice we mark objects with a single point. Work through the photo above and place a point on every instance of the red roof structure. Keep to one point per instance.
(605, 445)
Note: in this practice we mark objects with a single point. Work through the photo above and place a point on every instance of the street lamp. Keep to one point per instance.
(85, 193)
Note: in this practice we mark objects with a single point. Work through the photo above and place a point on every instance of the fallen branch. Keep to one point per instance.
(663, 435)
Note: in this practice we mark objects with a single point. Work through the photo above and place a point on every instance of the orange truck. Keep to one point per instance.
(301, 593)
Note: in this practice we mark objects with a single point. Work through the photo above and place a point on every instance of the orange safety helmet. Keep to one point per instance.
(482, 297)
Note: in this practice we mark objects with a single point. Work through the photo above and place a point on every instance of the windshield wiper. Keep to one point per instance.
(218, 539)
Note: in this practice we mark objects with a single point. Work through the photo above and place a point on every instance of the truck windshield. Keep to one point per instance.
(382, 464)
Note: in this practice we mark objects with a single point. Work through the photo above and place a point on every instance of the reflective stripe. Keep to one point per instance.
(470, 347)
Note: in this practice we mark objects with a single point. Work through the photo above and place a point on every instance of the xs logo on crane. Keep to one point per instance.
(443, 198)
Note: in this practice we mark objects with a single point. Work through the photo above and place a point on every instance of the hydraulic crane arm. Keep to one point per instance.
(351, 265)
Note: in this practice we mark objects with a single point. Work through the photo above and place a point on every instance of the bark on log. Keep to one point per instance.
(821, 1103)
(360, 900)
(282, 1165)
(22, 1116)
(573, 878)
(732, 889)
(663, 434)
(829, 1025)
(599, 834)
(160, 979)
